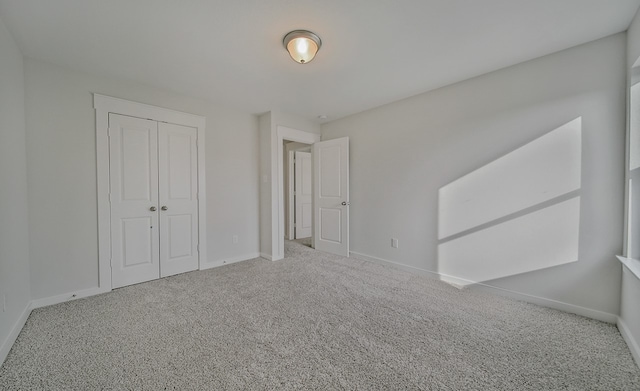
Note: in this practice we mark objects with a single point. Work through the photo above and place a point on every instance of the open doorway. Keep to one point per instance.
(297, 190)
(330, 189)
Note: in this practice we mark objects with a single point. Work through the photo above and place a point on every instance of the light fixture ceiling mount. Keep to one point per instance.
(302, 45)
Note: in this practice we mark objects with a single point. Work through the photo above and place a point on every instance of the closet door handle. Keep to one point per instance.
(153, 209)
(164, 208)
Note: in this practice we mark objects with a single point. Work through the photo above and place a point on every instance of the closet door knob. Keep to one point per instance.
(153, 209)
(164, 208)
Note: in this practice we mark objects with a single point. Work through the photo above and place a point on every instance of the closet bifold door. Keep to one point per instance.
(178, 202)
(133, 193)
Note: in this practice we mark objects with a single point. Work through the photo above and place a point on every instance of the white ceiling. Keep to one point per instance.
(374, 51)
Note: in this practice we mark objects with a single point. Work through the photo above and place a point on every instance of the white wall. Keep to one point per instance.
(630, 295)
(295, 122)
(62, 174)
(266, 127)
(404, 153)
(14, 250)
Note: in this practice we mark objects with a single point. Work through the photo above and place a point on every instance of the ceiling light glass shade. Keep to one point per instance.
(302, 45)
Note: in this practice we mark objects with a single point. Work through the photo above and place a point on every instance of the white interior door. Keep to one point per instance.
(331, 196)
(178, 198)
(133, 165)
(303, 195)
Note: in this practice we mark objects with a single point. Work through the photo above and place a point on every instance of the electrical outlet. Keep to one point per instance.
(235, 239)
(394, 242)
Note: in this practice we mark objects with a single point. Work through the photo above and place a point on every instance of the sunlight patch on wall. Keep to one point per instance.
(517, 214)
(548, 237)
(539, 171)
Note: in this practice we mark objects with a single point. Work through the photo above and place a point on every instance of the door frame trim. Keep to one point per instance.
(290, 221)
(277, 183)
(104, 105)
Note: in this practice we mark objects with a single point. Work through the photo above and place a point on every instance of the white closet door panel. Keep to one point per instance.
(133, 168)
(178, 197)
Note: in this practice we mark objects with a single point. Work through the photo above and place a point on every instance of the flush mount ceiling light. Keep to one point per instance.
(302, 45)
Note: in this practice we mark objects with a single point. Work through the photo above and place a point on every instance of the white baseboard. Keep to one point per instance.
(270, 258)
(412, 269)
(550, 303)
(459, 282)
(47, 301)
(13, 334)
(634, 347)
(228, 261)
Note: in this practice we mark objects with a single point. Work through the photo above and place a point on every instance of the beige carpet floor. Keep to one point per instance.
(312, 321)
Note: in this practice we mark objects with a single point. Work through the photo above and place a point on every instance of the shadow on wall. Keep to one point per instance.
(516, 214)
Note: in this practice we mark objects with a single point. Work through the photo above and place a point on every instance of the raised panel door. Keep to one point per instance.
(178, 198)
(133, 168)
(331, 196)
